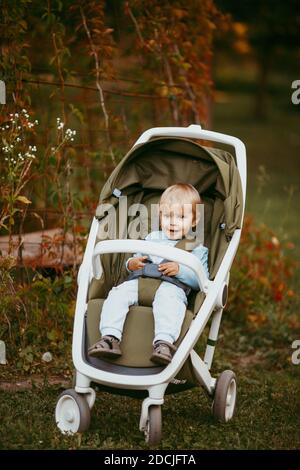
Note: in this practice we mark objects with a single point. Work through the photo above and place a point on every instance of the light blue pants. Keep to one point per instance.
(169, 306)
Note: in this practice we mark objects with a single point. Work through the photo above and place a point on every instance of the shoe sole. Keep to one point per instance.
(106, 354)
(160, 360)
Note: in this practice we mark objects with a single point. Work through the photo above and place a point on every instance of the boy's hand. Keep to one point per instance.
(136, 263)
(169, 269)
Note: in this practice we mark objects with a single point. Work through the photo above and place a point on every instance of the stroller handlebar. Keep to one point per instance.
(151, 248)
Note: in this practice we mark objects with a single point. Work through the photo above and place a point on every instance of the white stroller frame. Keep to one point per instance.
(67, 414)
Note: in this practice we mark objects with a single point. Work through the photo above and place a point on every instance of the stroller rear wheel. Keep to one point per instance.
(72, 412)
(153, 425)
(225, 396)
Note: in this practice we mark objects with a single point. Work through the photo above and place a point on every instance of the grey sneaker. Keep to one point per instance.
(162, 352)
(108, 346)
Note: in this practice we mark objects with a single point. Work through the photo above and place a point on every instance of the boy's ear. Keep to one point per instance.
(197, 215)
(196, 221)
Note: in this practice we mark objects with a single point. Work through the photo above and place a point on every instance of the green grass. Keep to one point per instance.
(268, 417)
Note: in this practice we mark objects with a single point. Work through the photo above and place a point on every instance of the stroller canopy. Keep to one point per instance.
(163, 161)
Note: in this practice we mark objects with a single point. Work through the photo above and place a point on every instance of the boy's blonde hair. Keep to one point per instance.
(182, 193)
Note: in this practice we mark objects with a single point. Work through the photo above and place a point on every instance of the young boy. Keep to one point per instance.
(177, 215)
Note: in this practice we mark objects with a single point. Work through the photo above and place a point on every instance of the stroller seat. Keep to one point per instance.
(139, 324)
(137, 336)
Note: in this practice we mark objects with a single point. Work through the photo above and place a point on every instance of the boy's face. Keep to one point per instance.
(176, 220)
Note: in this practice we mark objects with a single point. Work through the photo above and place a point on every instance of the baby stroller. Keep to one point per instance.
(160, 157)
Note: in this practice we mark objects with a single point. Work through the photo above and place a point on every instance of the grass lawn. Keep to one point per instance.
(268, 417)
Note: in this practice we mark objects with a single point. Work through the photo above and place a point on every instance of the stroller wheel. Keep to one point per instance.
(72, 412)
(225, 396)
(153, 426)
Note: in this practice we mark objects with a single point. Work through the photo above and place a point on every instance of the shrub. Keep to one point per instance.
(36, 318)
(260, 286)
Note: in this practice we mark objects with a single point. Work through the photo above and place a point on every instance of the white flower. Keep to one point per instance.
(29, 155)
(24, 111)
(69, 134)
(16, 115)
(18, 139)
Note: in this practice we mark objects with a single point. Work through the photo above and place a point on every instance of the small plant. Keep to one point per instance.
(16, 162)
(260, 292)
(35, 317)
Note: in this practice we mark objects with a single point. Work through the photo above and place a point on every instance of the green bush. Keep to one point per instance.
(260, 294)
(36, 318)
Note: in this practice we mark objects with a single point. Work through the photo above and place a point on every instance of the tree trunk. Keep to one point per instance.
(261, 100)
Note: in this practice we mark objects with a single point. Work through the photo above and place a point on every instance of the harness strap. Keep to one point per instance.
(150, 272)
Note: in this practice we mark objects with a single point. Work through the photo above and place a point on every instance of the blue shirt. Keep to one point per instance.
(184, 274)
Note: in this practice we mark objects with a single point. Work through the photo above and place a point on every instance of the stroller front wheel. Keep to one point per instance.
(153, 425)
(72, 412)
(225, 396)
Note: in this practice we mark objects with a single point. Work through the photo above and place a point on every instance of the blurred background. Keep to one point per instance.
(111, 70)
(83, 81)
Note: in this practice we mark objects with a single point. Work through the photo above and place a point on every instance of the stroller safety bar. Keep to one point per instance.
(147, 247)
(195, 131)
